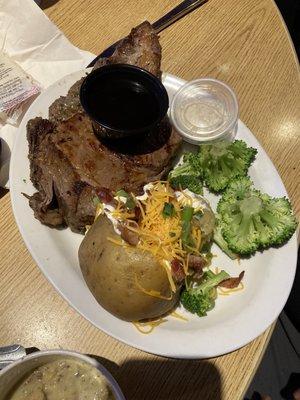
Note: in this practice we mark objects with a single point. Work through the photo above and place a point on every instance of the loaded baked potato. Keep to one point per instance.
(119, 276)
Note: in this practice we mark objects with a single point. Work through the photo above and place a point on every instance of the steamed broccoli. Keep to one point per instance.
(188, 174)
(191, 182)
(201, 298)
(251, 220)
(221, 242)
(222, 161)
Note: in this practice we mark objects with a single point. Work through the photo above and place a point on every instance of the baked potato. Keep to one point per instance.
(118, 277)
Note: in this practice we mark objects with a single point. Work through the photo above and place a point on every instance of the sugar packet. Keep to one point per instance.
(16, 89)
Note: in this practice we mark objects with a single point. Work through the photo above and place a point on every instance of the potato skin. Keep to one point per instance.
(110, 272)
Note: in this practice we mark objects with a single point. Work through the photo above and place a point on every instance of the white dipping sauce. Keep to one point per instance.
(64, 379)
(205, 110)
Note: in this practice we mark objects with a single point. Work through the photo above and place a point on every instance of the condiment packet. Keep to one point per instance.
(16, 88)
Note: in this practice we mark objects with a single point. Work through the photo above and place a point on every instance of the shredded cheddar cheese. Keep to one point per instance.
(177, 315)
(99, 210)
(226, 292)
(116, 241)
(159, 235)
(221, 293)
(152, 292)
(148, 327)
(169, 275)
(121, 213)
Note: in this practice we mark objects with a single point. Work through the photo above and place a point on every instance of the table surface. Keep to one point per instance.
(243, 43)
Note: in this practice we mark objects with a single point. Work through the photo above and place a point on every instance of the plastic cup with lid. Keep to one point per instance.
(205, 111)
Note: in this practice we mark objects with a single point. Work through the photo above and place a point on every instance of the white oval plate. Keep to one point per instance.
(236, 320)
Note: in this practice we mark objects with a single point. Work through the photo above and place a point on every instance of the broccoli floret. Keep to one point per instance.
(197, 304)
(191, 182)
(188, 174)
(222, 161)
(251, 220)
(221, 242)
(193, 161)
(201, 298)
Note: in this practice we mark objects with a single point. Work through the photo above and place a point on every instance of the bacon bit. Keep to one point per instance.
(137, 213)
(177, 270)
(197, 263)
(105, 195)
(129, 236)
(232, 283)
(132, 224)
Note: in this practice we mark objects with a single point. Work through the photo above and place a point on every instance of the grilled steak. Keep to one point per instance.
(140, 48)
(66, 106)
(69, 165)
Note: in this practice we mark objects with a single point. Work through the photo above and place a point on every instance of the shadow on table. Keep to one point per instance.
(3, 192)
(4, 164)
(47, 3)
(166, 379)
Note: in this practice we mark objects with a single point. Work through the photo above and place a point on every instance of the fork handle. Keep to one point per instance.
(176, 13)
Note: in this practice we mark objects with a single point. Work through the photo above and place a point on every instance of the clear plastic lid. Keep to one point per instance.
(205, 110)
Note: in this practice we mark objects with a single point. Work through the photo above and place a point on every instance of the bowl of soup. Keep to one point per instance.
(58, 374)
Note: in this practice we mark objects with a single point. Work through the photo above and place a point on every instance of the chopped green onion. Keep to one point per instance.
(95, 200)
(130, 203)
(168, 210)
(186, 218)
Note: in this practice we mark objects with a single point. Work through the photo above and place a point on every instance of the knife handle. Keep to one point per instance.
(168, 19)
(176, 13)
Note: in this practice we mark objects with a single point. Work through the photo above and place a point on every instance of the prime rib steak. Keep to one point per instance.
(69, 165)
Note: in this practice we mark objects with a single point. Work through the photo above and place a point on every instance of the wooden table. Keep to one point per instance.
(244, 43)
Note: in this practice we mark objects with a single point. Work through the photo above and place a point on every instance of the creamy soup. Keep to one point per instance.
(63, 379)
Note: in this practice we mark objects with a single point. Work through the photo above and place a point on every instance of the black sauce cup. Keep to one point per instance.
(123, 100)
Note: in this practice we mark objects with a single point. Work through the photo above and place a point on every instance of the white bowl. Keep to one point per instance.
(15, 372)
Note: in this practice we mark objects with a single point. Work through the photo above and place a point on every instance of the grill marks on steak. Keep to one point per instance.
(42, 202)
(66, 106)
(69, 164)
(62, 197)
(101, 166)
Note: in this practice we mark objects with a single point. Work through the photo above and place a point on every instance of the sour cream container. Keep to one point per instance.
(205, 111)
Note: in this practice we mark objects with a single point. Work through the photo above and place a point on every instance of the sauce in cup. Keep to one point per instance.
(205, 111)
